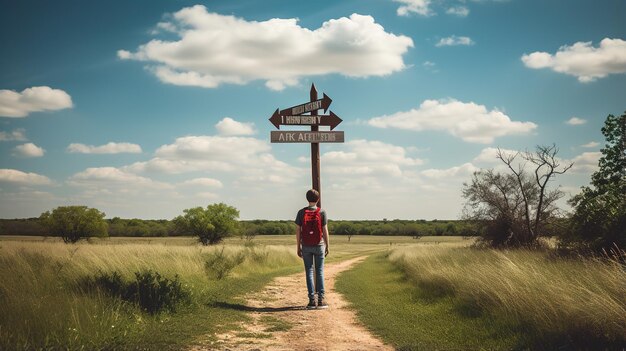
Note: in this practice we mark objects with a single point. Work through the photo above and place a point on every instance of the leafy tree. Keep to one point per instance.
(211, 225)
(515, 208)
(73, 223)
(599, 219)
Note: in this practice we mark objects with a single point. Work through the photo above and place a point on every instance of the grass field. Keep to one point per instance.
(445, 297)
(44, 302)
(427, 293)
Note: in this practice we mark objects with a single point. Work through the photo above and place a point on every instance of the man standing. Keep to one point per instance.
(312, 241)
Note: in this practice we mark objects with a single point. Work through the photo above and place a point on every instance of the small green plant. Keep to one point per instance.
(219, 264)
(152, 292)
(258, 256)
(155, 293)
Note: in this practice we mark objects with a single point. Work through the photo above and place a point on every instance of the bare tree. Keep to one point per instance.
(516, 207)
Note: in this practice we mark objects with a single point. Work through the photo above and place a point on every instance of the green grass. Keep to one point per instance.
(441, 297)
(411, 318)
(43, 303)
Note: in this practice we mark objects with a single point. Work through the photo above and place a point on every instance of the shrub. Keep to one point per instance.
(155, 293)
(152, 292)
(219, 264)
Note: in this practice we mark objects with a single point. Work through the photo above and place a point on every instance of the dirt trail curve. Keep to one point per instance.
(282, 301)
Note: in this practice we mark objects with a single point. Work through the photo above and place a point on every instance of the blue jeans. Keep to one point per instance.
(310, 254)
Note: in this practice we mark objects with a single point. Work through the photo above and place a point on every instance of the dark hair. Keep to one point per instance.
(312, 195)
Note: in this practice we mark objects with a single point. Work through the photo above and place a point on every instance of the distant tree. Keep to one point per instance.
(451, 229)
(343, 228)
(249, 233)
(599, 219)
(211, 225)
(73, 223)
(515, 208)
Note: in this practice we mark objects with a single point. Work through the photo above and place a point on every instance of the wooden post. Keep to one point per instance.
(315, 153)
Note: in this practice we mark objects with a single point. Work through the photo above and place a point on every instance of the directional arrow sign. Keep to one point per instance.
(322, 103)
(306, 137)
(331, 120)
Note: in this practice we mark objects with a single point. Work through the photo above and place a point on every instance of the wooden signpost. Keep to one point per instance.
(295, 116)
(331, 120)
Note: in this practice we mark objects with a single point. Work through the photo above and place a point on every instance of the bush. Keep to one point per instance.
(152, 292)
(219, 264)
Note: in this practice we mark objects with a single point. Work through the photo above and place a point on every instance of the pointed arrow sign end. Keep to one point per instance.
(334, 120)
(326, 102)
(275, 119)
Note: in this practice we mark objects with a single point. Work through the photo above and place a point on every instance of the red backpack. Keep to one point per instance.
(311, 230)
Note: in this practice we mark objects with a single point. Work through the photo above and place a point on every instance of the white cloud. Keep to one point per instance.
(368, 158)
(109, 148)
(230, 127)
(460, 11)
(28, 150)
(463, 171)
(582, 60)
(430, 66)
(420, 7)
(114, 177)
(575, 121)
(214, 49)
(203, 182)
(164, 27)
(15, 135)
(468, 121)
(587, 162)
(247, 158)
(35, 99)
(22, 178)
(454, 41)
(591, 144)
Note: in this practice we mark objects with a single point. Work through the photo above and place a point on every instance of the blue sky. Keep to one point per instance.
(145, 108)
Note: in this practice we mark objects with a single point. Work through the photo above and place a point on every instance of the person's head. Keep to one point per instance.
(312, 196)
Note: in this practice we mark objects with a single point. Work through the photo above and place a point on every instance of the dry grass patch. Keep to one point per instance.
(562, 302)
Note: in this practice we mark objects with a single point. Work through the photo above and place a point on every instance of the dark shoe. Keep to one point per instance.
(321, 304)
(311, 305)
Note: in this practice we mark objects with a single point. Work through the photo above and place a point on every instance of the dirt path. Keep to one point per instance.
(280, 321)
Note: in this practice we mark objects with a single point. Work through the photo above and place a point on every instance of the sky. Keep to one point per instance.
(145, 108)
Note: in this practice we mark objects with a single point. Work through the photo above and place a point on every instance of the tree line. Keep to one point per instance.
(120, 227)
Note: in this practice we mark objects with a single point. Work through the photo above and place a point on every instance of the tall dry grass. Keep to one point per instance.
(580, 303)
(43, 302)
